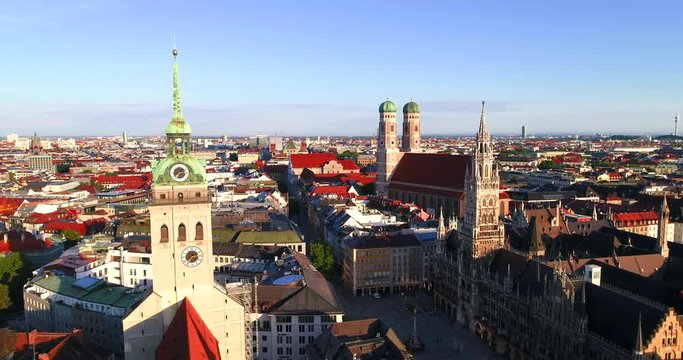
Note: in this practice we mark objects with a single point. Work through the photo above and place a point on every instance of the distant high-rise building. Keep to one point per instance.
(523, 132)
(225, 138)
(259, 141)
(39, 160)
(12, 138)
(676, 124)
(276, 141)
(125, 137)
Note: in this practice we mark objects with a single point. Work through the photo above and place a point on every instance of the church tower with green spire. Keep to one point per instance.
(182, 251)
(179, 166)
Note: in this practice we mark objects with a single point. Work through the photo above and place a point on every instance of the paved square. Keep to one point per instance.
(442, 336)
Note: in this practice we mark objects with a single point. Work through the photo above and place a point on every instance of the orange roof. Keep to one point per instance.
(314, 160)
(636, 216)
(188, 337)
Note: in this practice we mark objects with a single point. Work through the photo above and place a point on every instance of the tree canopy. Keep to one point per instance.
(323, 260)
(63, 168)
(548, 165)
(14, 271)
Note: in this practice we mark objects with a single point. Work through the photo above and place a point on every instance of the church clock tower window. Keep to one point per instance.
(199, 232)
(181, 232)
(164, 234)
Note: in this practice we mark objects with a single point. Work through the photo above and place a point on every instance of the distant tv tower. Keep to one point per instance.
(676, 124)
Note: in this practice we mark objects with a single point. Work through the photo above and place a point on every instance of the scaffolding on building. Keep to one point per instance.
(245, 294)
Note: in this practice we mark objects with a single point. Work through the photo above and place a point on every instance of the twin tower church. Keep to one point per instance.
(464, 187)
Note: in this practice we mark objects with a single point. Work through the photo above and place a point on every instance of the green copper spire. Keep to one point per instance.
(178, 125)
(177, 108)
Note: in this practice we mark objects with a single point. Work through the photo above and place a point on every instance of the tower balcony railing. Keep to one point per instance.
(182, 200)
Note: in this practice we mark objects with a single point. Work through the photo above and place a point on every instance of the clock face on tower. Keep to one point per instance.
(180, 172)
(192, 256)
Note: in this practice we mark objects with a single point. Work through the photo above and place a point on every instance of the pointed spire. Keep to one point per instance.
(639, 337)
(665, 205)
(177, 127)
(483, 134)
(177, 107)
(441, 222)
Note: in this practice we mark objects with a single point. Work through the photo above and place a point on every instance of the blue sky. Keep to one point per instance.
(322, 67)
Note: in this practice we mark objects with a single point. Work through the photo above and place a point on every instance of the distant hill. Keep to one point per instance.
(624, 137)
(669, 138)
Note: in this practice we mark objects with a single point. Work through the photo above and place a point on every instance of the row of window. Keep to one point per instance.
(182, 233)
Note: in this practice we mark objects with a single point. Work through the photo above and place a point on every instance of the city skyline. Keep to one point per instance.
(303, 69)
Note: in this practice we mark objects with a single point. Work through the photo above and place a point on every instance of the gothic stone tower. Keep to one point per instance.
(481, 231)
(388, 153)
(182, 251)
(663, 229)
(411, 141)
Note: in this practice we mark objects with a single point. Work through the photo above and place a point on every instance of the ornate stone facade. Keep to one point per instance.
(482, 231)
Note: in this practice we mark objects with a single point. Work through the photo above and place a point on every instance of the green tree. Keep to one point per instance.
(233, 156)
(323, 260)
(71, 237)
(347, 155)
(63, 168)
(5, 300)
(14, 271)
(548, 165)
(12, 176)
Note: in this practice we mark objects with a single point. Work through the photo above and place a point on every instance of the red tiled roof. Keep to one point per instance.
(423, 190)
(342, 190)
(51, 345)
(122, 179)
(349, 164)
(38, 218)
(133, 185)
(9, 205)
(188, 337)
(89, 188)
(15, 243)
(636, 216)
(314, 160)
(439, 170)
(61, 225)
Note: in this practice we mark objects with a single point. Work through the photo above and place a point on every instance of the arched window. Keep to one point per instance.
(164, 234)
(162, 196)
(199, 231)
(181, 232)
(180, 197)
(197, 194)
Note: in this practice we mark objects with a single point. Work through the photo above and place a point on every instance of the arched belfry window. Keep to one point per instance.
(164, 234)
(199, 231)
(182, 235)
